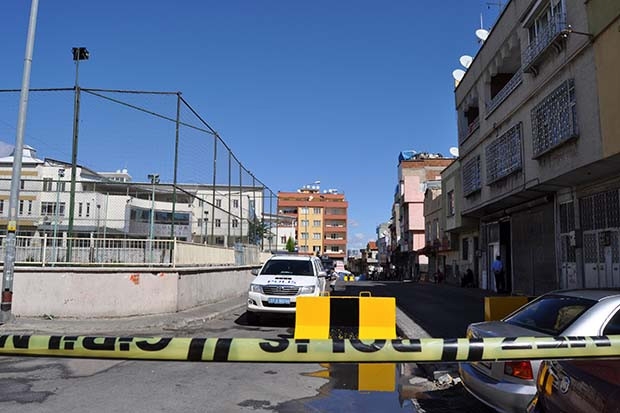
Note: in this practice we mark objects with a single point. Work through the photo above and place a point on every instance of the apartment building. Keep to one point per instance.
(109, 205)
(321, 220)
(460, 240)
(407, 229)
(539, 145)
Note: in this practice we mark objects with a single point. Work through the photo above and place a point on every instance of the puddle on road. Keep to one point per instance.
(382, 388)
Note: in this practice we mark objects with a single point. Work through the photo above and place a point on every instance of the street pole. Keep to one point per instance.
(79, 53)
(61, 173)
(154, 180)
(6, 302)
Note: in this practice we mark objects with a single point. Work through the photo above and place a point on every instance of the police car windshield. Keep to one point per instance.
(287, 267)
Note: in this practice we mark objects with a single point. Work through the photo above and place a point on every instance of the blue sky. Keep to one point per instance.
(360, 80)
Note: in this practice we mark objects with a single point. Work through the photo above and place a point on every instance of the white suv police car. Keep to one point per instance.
(280, 281)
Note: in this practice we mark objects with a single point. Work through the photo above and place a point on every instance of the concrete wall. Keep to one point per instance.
(196, 254)
(92, 293)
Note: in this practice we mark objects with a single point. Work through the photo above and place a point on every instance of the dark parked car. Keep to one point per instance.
(578, 386)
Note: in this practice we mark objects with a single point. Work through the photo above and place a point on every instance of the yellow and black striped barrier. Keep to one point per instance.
(363, 317)
(312, 351)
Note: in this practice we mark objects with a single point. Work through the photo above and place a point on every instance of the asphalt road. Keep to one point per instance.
(65, 385)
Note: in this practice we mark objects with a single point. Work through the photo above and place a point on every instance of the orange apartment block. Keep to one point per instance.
(321, 220)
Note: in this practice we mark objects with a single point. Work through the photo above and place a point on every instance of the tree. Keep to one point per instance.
(256, 231)
(290, 245)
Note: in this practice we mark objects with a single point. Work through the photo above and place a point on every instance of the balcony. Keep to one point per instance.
(497, 100)
(544, 39)
(471, 128)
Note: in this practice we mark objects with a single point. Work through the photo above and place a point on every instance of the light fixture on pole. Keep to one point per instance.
(61, 174)
(79, 53)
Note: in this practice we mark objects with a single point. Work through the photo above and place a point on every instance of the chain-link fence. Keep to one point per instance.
(147, 166)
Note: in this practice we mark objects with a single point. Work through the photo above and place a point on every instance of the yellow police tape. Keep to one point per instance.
(310, 351)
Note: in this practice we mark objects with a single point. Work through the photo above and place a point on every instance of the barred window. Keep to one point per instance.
(600, 211)
(471, 176)
(503, 155)
(554, 120)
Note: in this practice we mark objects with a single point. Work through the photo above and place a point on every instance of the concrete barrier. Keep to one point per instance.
(496, 308)
(121, 292)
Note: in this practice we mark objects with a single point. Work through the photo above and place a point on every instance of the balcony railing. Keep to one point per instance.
(543, 40)
(471, 128)
(508, 88)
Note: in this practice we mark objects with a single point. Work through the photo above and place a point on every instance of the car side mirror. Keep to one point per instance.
(322, 274)
(254, 271)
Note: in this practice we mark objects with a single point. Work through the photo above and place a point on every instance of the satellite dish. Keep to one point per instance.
(466, 61)
(482, 34)
(458, 74)
(454, 151)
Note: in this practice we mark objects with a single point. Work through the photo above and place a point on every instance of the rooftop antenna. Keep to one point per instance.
(482, 33)
(498, 3)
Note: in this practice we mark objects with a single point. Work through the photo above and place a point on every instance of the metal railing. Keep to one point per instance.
(508, 88)
(557, 25)
(50, 251)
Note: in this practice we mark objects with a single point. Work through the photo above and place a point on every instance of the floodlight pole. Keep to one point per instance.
(79, 53)
(9, 260)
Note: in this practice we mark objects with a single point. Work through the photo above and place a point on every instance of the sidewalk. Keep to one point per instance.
(124, 325)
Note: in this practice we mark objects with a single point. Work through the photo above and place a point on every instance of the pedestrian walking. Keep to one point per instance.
(498, 270)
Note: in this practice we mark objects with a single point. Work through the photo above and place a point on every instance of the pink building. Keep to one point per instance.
(415, 170)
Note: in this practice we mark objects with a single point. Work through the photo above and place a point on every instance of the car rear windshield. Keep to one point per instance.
(551, 314)
(287, 267)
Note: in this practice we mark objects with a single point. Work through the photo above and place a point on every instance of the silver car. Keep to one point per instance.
(509, 386)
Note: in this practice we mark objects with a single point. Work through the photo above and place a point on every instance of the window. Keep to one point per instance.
(60, 186)
(471, 176)
(545, 28)
(88, 209)
(219, 240)
(303, 248)
(503, 155)
(47, 184)
(465, 249)
(613, 327)
(288, 267)
(316, 223)
(333, 236)
(317, 211)
(335, 248)
(554, 120)
(235, 203)
(218, 222)
(21, 207)
(22, 184)
(283, 240)
(304, 222)
(1, 206)
(304, 235)
(235, 223)
(303, 210)
(316, 235)
(49, 209)
(218, 203)
(551, 314)
(80, 207)
(450, 203)
(29, 207)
